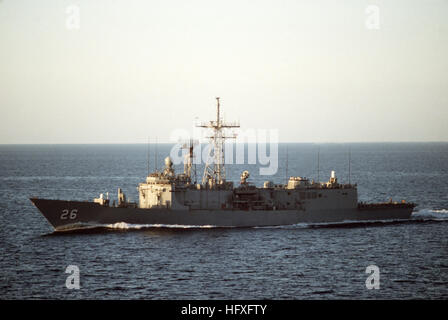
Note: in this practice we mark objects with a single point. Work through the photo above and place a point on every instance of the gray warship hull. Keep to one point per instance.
(70, 215)
(167, 198)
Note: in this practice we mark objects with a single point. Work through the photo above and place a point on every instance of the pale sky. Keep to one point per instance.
(316, 71)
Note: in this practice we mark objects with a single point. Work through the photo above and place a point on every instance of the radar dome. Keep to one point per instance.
(168, 162)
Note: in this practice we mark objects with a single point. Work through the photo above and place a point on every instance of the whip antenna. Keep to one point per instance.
(286, 170)
(318, 164)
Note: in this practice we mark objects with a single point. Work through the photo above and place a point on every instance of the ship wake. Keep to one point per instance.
(128, 226)
(420, 216)
(123, 226)
(430, 215)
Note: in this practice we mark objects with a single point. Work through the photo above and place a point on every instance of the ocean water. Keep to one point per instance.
(325, 261)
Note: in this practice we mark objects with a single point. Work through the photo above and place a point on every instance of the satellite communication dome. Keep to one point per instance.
(168, 162)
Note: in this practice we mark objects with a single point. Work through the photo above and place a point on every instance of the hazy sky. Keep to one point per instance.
(317, 71)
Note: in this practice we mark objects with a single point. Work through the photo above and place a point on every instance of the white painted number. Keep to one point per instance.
(73, 213)
(66, 214)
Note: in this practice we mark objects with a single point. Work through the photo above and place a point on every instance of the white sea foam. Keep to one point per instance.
(290, 226)
(431, 214)
(127, 226)
(130, 226)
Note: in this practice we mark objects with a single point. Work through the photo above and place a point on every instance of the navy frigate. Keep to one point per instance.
(167, 199)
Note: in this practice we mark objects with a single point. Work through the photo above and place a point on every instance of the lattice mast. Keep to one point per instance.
(214, 167)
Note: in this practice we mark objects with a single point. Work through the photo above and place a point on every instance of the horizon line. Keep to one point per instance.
(285, 142)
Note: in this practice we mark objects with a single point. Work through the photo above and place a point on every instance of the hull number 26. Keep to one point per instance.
(66, 214)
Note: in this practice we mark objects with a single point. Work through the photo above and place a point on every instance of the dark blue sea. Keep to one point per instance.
(325, 261)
